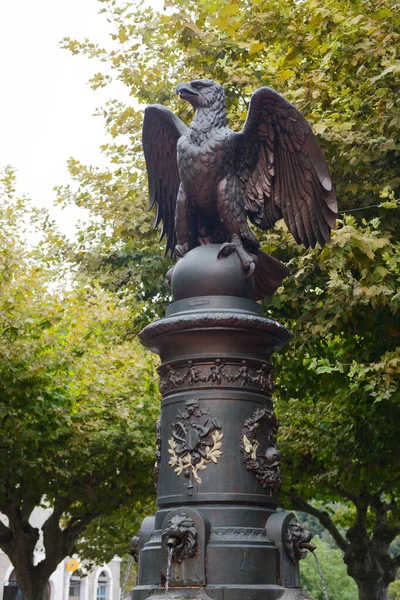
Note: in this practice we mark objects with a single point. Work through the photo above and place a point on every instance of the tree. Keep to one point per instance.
(337, 395)
(77, 398)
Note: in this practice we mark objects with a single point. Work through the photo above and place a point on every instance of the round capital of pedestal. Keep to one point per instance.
(201, 273)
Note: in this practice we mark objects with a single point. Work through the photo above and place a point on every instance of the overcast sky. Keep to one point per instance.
(46, 105)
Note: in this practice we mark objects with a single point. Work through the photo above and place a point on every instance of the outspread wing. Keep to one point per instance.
(161, 132)
(283, 172)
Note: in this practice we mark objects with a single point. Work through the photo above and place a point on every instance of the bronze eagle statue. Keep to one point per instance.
(206, 179)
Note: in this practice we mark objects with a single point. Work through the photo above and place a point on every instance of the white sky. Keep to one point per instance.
(46, 105)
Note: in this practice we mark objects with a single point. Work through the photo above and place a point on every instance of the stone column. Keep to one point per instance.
(218, 471)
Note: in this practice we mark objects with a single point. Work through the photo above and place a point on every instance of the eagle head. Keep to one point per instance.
(202, 93)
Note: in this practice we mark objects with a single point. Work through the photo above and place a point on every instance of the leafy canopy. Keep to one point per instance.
(77, 395)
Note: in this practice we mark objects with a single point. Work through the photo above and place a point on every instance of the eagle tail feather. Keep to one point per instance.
(268, 275)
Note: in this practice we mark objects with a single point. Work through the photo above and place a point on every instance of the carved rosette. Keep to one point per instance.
(217, 372)
(263, 459)
(196, 441)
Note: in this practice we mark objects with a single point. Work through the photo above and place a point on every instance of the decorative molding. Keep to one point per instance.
(195, 442)
(246, 373)
(262, 459)
(233, 534)
(279, 334)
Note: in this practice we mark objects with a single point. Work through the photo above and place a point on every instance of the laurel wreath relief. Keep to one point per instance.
(263, 461)
(186, 464)
(250, 447)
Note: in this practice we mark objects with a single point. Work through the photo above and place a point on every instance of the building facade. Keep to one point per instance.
(102, 583)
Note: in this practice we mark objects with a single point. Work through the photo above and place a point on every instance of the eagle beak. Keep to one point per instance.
(185, 91)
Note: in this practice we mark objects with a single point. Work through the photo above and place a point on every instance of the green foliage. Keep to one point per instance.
(110, 533)
(343, 364)
(338, 584)
(394, 590)
(78, 398)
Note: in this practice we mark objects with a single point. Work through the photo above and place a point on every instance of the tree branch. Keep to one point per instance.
(19, 525)
(28, 506)
(384, 532)
(62, 541)
(61, 504)
(53, 538)
(20, 538)
(77, 528)
(74, 529)
(5, 534)
(387, 485)
(323, 517)
(380, 509)
(340, 491)
(52, 531)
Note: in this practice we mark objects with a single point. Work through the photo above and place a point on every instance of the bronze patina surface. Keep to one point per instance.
(218, 465)
(206, 180)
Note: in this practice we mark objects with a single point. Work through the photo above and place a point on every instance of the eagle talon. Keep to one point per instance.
(249, 261)
(181, 249)
(252, 268)
(226, 250)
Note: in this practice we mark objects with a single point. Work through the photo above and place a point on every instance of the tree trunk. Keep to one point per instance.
(34, 590)
(39, 594)
(371, 590)
(369, 563)
(19, 540)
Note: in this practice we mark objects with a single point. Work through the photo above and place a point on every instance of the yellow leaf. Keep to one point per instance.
(230, 10)
(286, 73)
(247, 445)
(196, 477)
(319, 127)
(256, 47)
(122, 35)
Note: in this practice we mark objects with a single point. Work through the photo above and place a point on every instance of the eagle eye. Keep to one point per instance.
(197, 85)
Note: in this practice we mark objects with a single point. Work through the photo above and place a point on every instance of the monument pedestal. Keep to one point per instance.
(218, 471)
